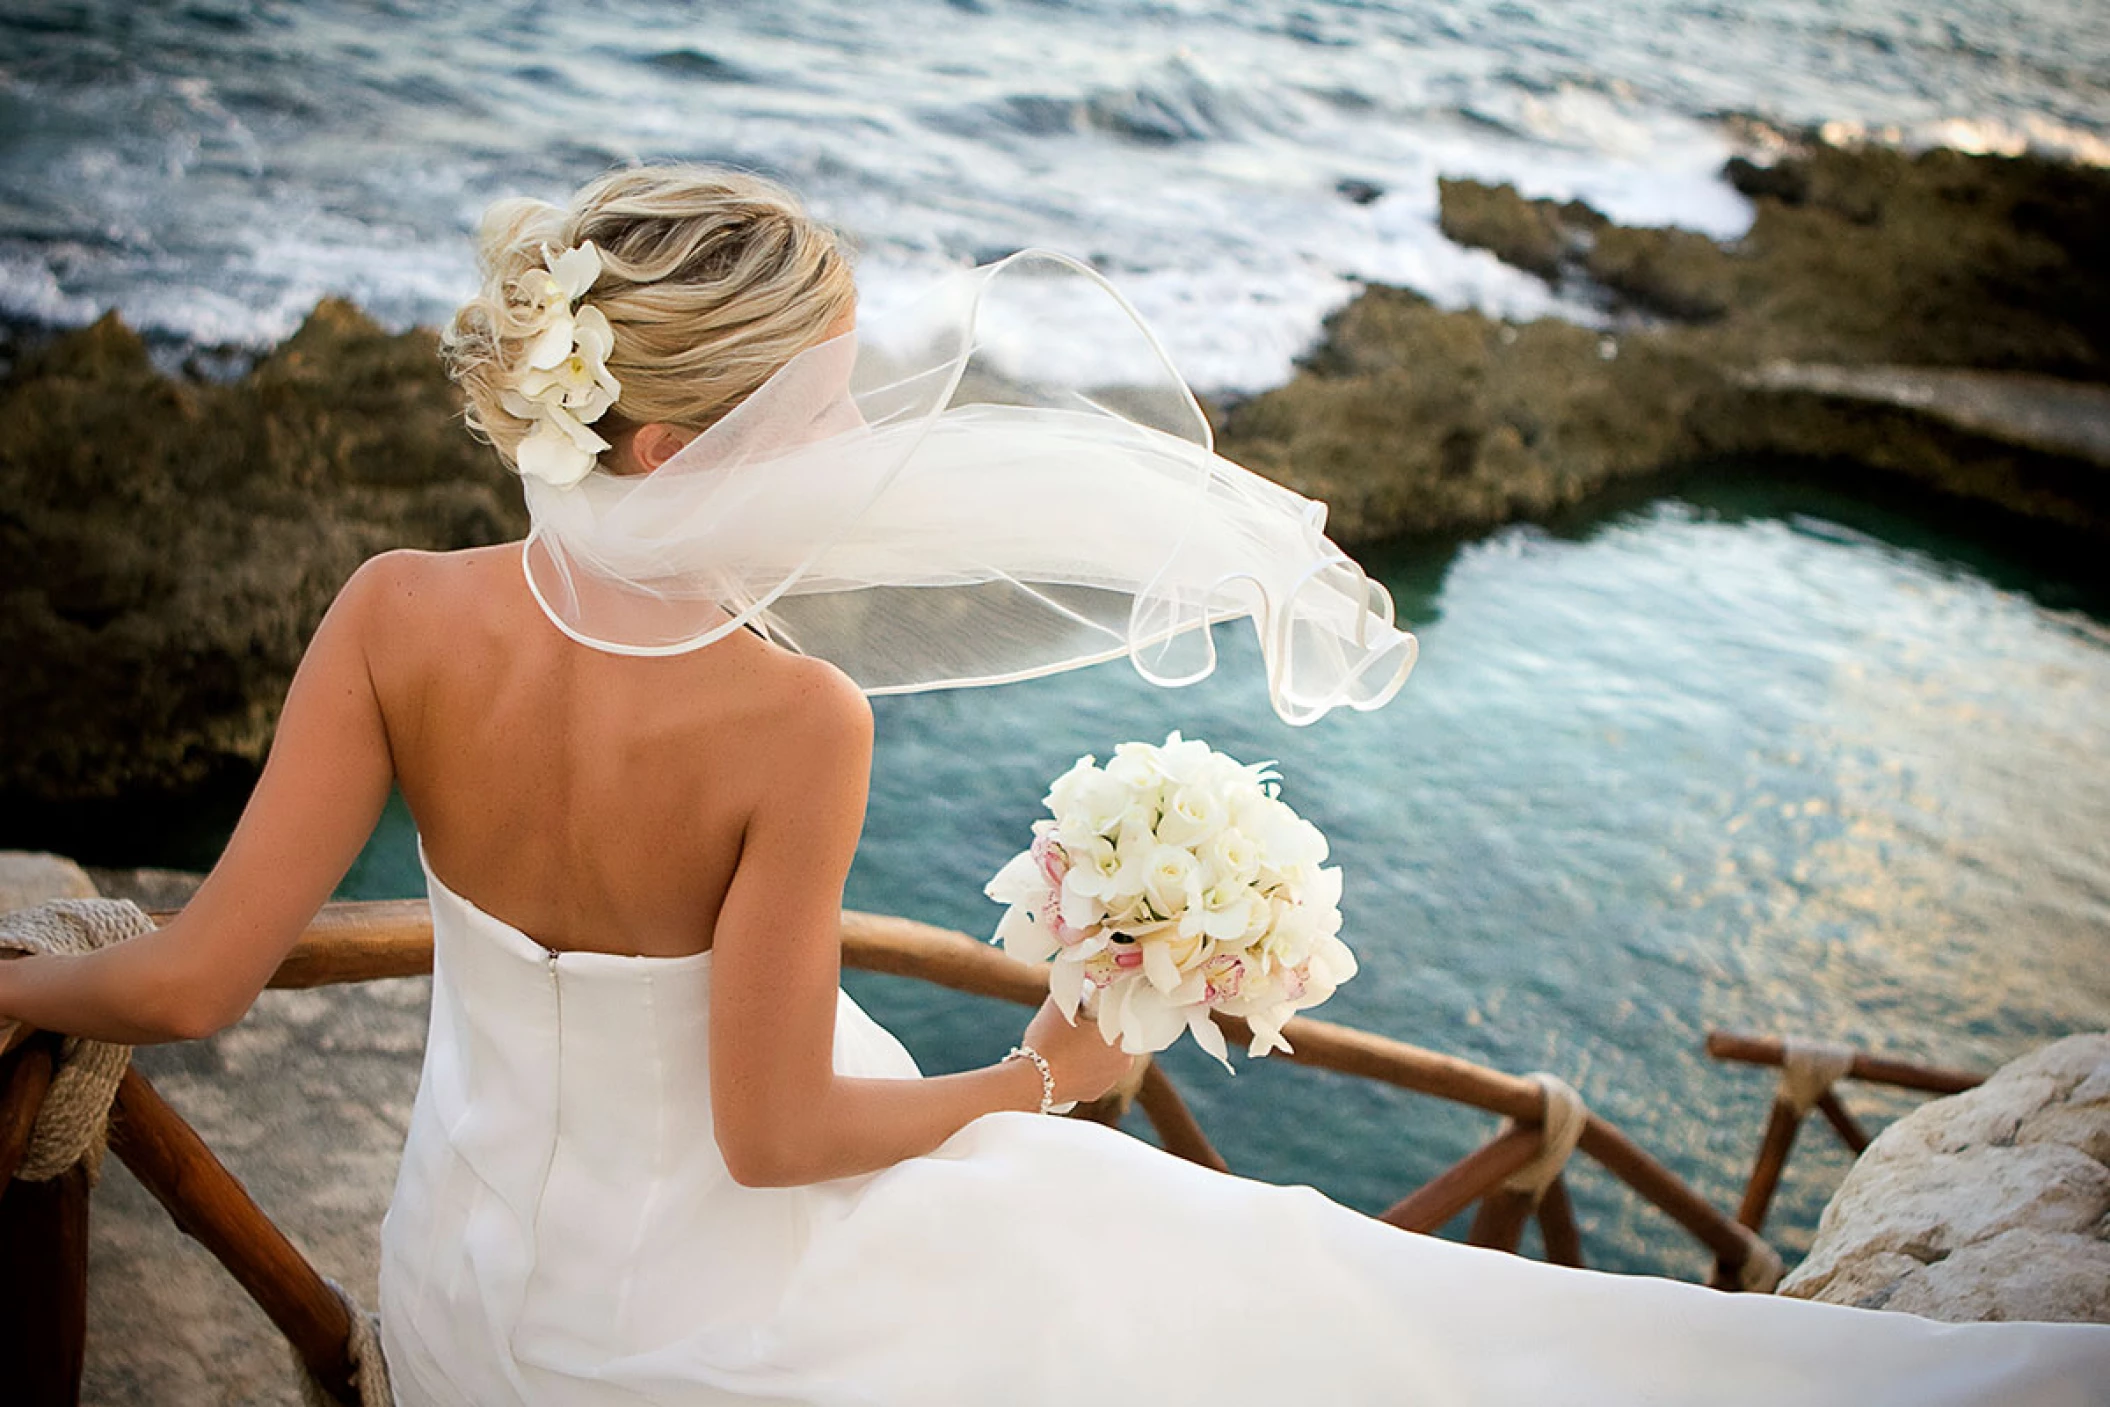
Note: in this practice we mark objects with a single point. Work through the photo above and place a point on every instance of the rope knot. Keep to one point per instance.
(1808, 1070)
(1563, 1122)
(71, 1125)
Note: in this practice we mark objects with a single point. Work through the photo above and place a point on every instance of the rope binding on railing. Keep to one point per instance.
(73, 1123)
(1565, 1118)
(1808, 1070)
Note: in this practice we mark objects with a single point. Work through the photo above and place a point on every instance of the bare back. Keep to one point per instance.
(591, 800)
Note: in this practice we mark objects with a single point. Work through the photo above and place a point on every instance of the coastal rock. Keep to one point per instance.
(168, 546)
(30, 877)
(1543, 236)
(1674, 272)
(1992, 1204)
(1527, 233)
(1412, 419)
(1988, 270)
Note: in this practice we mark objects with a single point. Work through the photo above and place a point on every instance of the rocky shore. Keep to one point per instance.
(167, 546)
(1811, 340)
(1940, 320)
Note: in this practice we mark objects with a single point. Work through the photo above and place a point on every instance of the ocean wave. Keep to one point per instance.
(697, 65)
(1172, 102)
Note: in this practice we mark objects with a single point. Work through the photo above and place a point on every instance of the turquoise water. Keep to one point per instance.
(1753, 758)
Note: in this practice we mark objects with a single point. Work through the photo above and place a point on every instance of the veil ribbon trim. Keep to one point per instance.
(939, 500)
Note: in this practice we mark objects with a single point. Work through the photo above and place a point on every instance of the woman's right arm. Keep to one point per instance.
(782, 1114)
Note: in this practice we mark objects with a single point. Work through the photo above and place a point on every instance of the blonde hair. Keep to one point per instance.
(711, 279)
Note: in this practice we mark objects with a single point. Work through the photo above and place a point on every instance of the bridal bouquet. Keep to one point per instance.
(1171, 883)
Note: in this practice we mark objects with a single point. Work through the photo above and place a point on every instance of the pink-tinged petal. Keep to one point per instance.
(1047, 852)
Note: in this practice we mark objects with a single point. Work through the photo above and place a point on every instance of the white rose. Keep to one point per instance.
(1165, 877)
(1136, 765)
(1064, 787)
(1193, 813)
(1231, 855)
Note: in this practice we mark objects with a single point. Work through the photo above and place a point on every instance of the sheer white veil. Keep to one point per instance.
(939, 500)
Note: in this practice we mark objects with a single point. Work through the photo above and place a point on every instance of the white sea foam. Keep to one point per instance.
(30, 291)
(212, 187)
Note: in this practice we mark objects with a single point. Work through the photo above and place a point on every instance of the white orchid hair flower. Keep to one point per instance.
(564, 384)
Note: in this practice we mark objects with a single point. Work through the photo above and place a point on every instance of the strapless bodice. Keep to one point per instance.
(563, 1121)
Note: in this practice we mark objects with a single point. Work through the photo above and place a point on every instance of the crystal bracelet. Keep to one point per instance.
(1047, 1076)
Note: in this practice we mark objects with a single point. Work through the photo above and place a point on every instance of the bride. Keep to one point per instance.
(657, 1154)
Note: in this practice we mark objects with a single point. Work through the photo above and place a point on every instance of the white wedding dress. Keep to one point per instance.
(564, 1234)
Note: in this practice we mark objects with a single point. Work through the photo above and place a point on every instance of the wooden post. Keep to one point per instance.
(44, 1292)
(1848, 1126)
(1557, 1225)
(43, 1249)
(1781, 1127)
(1175, 1122)
(24, 1077)
(1625, 1160)
(1464, 1182)
(1499, 1224)
(209, 1204)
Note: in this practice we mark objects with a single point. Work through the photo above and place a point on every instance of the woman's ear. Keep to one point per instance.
(656, 443)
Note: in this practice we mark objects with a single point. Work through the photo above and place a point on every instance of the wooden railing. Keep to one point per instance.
(43, 1242)
(1789, 1109)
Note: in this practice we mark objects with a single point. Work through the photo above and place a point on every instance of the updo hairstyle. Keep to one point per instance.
(711, 279)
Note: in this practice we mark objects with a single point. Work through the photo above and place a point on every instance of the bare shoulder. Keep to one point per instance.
(820, 709)
(404, 575)
(406, 592)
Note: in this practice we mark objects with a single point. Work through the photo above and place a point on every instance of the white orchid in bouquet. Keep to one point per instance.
(1171, 883)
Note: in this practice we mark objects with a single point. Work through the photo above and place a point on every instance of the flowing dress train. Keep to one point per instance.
(564, 1233)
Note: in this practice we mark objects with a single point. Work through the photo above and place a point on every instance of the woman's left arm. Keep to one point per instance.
(322, 789)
